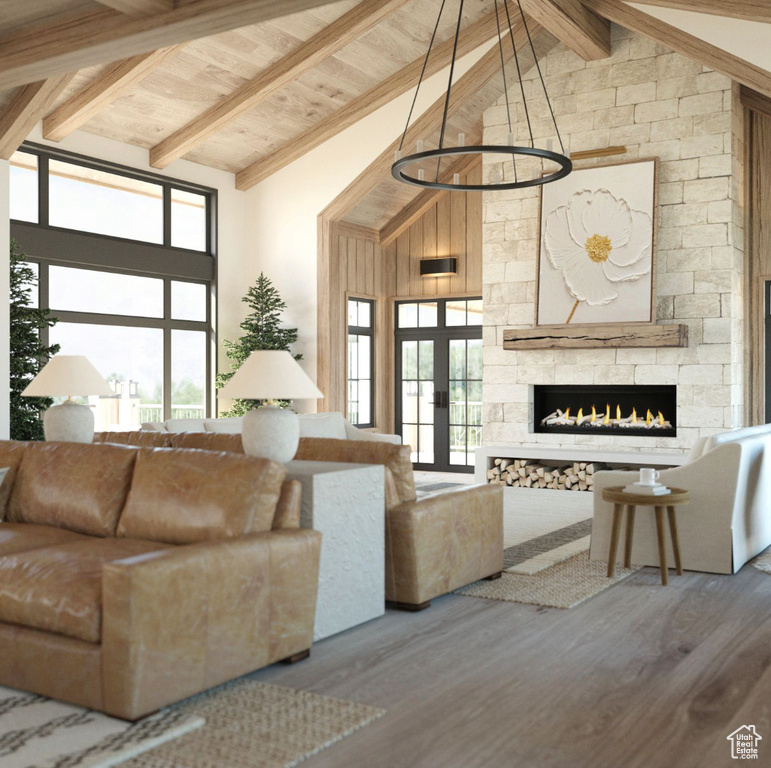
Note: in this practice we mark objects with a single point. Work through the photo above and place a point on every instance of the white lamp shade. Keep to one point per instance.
(68, 376)
(270, 375)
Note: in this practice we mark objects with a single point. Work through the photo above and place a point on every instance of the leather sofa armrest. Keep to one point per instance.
(179, 621)
(288, 509)
(442, 542)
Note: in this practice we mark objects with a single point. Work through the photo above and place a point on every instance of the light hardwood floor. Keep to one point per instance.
(640, 676)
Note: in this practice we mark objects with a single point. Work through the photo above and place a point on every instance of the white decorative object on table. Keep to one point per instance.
(346, 502)
(271, 432)
(68, 376)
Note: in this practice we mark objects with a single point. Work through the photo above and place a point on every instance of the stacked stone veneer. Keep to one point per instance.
(657, 104)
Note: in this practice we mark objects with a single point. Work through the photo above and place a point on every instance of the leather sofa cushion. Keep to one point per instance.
(182, 496)
(59, 588)
(395, 457)
(11, 454)
(139, 438)
(208, 441)
(22, 537)
(70, 485)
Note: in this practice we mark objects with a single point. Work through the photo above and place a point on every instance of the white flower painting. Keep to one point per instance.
(596, 262)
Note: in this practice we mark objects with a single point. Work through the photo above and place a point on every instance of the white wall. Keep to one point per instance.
(283, 210)
(5, 242)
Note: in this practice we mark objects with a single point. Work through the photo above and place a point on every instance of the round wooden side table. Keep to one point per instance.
(620, 499)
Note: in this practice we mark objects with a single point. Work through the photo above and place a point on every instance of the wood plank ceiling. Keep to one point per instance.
(241, 86)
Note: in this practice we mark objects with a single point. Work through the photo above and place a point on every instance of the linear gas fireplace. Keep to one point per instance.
(649, 411)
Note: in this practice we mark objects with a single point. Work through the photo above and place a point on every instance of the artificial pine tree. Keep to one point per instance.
(28, 353)
(262, 331)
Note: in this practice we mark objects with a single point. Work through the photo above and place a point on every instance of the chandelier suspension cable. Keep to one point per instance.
(540, 75)
(408, 169)
(505, 84)
(449, 89)
(519, 72)
(422, 75)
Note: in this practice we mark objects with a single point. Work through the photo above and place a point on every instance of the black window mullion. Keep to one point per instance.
(167, 216)
(43, 188)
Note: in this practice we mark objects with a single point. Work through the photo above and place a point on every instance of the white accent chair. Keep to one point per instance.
(728, 520)
(329, 425)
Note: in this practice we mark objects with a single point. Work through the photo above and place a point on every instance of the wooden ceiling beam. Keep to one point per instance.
(358, 108)
(139, 7)
(425, 200)
(40, 51)
(108, 86)
(465, 88)
(573, 24)
(683, 43)
(752, 10)
(29, 104)
(321, 46)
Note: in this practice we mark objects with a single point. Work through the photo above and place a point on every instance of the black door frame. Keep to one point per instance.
(441, 336)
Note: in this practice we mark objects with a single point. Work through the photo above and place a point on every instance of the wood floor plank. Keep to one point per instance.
(640, 675)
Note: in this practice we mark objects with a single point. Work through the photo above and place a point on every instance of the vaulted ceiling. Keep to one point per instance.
(241, 86)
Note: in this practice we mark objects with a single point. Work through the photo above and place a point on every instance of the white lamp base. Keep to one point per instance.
(69, 423)
(271, 432)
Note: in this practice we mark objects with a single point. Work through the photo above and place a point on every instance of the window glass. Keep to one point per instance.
(131, 359)
(188, 301)
(188, 220)
(104, 203)
(408, 315)
(90, 290)
(23, 187)
(427, 314)
(456, 313)
(474, 316)
(188, 374)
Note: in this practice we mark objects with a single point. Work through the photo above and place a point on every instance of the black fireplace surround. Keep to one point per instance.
(550, 399)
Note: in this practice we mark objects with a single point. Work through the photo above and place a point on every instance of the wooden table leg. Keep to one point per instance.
(675, 540)
(662, 545)
(630, 510)
(618, 511)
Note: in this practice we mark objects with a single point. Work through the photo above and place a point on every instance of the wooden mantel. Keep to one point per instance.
(594, 337)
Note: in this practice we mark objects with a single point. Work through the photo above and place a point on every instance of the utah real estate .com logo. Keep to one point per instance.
(744, 743)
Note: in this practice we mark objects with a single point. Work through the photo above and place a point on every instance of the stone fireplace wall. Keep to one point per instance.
(657, 104)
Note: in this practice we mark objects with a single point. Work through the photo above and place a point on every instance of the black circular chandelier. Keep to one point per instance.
(424, 167)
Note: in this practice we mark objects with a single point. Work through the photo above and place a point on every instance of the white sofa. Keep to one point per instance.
(331, 425)
(728, 520)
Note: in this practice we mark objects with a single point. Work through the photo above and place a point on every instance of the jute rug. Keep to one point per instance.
(547, 550)
(36, 732)
(564, 585)
(255, 725)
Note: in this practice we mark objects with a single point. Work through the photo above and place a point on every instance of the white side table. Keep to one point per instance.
(346, 503)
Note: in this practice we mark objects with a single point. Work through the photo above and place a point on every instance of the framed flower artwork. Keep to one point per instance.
(596, 257)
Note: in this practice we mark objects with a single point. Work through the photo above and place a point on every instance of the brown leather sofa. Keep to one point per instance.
(434, 544)
(132, 578)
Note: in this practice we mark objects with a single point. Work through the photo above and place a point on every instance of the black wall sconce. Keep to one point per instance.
(438, 267)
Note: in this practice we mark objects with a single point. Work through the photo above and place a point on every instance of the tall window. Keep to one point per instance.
(126, 262)
(360, 362)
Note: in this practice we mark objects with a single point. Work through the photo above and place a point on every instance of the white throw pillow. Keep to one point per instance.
(331, 425)
(232, 426)
(185, 425)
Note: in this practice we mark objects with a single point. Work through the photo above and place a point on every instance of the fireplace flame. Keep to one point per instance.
(580, 414)
(564, 419)
(662, 421)
(606, 420)
(649, 418)
(634, 416)
(594, 414)
(567, 414)
(618, 413)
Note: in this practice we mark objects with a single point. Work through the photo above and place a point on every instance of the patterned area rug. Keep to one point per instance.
(763, 561)
(564, 585)
(36, 732)
(561, 544)
(255, 725)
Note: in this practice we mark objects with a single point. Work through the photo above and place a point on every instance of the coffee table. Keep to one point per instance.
(620, 499)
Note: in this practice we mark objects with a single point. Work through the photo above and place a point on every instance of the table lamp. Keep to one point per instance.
(68, 376)
(271, 432)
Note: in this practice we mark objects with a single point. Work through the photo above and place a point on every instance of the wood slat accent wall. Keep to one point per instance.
(357, 266)
(759, 246)
(451, 227)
